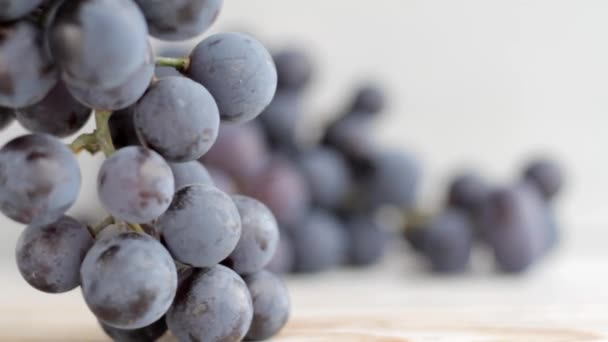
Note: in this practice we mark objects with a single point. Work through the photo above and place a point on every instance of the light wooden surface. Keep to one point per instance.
(563, 300)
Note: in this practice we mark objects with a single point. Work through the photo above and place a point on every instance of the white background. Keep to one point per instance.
(476, 82)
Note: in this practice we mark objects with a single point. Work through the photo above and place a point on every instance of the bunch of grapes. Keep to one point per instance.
(515, 222)
(175, 252)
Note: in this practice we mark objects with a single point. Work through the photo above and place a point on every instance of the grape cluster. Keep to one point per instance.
(177, 252)
(515, 222)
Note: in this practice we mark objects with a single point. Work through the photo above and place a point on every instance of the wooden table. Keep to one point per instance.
(564, 299)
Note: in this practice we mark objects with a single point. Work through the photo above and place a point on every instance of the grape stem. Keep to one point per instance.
(86, 141)
(96, 229)
(181, 64)
(102, 133)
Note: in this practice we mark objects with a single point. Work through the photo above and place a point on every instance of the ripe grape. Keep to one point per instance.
(351, 136)
(122, 128)
(190, 173)
(27, 73)
(179, 19)
(128, 280)
(259, 237)
(148, 333)
(271, 305)
(7, 115)
(15, 9)
(283, 259)
(281, 186)
(212, 304)
(98, 43)
(394, 180)
(135, 184)
(546, 175)
(328, 175)
(202, 226)
(294, 69)
(468, 192)
(58, 114)
(320, 243)
(240, 150)
(222, 180)
(239, 73)
(49, 256)
(280, 119)
(368, 99)
(119, 96)
(178, 118)
(39, 179)
(448, 241)
(368, 241)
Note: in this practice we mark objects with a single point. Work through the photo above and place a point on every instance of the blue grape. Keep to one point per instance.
(294, 69)
(546, 175)
(222, 180)
(178, 118)
(202, 226)
(129, 280)
(368, 241)
(448, 241)
(179, 19)
(135, 184)
(39, 179)
(328, 176)
(190, 173)
(122, 95)
(271, 305)
(58, 114)
(319, 243)
(7, 115)
(259, 237)
(239, 73)
(98, 43)
(49, 256)
(212, 304)
(148, 333)
(394, 179)
(351, 136)
(27, 73)
(122, 128)
(369, 99)
(283, 259)
(15, 9)
(280, 119)
(467, 191)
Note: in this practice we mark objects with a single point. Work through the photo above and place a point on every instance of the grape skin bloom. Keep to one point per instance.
(135, 184)
(39, 179)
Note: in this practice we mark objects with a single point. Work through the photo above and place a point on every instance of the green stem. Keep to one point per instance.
(86, 141)
(102, 133)
(180, 64)
(96, 229)
(136, 227)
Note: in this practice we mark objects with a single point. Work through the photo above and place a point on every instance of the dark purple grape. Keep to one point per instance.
(7, 115)
(49, 256)
(178, 118)
(27, 73)
(15, 9)
(39, 179)
(368, 241)
(190, 173)
(467, 191)
(416, 236)
(294, 69)
(179, 19)
(202, 226)
(271, 305)
(122, 95)
(351, 136)
(239, 73)
(319, 243)
(283, 259)
(282, 188)
(129, 280)
(280, 119)
(148, 333)
(514, 224)
(122, 128)
(368, 99)
(546, 175)
(259, 238)
(212, 304)
(135, 184)
(448, 241)
(328, 176)
(58, 114)
(239, 150)
(222, 180)
(394, 179)
(98, 43)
